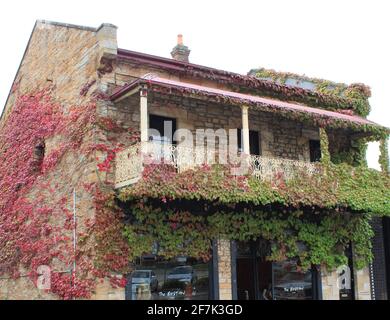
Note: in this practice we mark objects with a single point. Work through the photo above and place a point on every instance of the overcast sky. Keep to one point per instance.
(344, 41)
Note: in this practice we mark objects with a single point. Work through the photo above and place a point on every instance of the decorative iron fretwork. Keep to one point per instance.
(130, 161)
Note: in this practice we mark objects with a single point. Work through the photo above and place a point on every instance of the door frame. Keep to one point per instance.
(316, 276)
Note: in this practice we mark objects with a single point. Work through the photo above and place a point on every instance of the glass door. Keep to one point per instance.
(289, 283)
(260, 279)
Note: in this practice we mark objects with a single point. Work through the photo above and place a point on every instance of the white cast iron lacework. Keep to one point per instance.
(130, 161)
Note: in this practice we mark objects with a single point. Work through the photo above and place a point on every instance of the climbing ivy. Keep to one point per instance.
(351, 97)
(310, 218)
(355, 155)
(319, 239)
(384, 156)
(359, 189)
(324, 146)
(312, 227)
(36, 218)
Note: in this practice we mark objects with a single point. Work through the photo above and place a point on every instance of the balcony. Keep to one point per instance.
(129, 162)
(286, 129)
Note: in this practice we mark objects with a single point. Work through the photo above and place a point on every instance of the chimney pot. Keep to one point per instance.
(180, 52)
(179, 39)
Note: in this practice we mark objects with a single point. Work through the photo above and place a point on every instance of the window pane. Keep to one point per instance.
(182, 278)
(315, 150)
(254, 142)
(291, 284)
(158, 123)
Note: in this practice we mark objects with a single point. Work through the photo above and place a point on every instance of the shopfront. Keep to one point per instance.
(179, 278)
(256, 278)
(253, 277)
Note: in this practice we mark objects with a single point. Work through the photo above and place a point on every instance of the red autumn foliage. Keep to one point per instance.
(33, 233)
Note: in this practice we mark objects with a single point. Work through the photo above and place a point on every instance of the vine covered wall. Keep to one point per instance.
(384, 160)
(58, 135)
(319, 239)
(52, 143)
(36, 221)
(183, 212)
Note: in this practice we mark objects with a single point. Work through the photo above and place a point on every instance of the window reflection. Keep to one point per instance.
(159, 279)
(290, 283)
(259, 278)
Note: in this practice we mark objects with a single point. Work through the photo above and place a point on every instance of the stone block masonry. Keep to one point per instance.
(224, 269)
(277, 137)
(69, 60)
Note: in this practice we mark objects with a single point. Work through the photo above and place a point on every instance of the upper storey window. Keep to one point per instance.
(39, 154)
(315, 150)
(163, 129)
(254, 141)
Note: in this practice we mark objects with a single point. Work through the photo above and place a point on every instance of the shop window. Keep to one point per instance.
(258, 278)
(181, 278)
(290, 283)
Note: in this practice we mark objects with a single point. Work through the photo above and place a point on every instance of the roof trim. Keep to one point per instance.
(241, 98)
(246, 82)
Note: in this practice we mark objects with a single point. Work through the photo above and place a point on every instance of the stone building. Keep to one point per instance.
(80, 164)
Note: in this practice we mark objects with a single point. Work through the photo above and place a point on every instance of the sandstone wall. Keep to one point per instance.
(330, 289)
(76, 62)
(65, 58)
(224, 269)
(362, 284)
(277, 137)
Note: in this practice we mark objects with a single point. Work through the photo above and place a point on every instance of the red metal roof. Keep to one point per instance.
(172, 64)
(245, 98)
(292, 93)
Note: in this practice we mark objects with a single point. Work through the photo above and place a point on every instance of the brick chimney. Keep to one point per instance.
(180, 52)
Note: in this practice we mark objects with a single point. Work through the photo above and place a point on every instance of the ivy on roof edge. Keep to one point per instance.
(250, 84)
(376, 132)
(348, 97)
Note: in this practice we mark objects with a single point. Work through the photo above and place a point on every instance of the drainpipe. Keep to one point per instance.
(74, 236)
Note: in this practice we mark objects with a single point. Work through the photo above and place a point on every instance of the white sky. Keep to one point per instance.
(344, 41)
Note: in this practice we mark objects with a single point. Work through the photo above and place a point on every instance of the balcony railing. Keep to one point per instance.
(130, 161)
(266, 168)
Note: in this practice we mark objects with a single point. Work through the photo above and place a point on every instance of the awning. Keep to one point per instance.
(240, 99)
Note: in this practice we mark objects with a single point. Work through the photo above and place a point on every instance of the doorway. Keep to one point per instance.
(346, 276)
(162, 129)
(260, 279)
